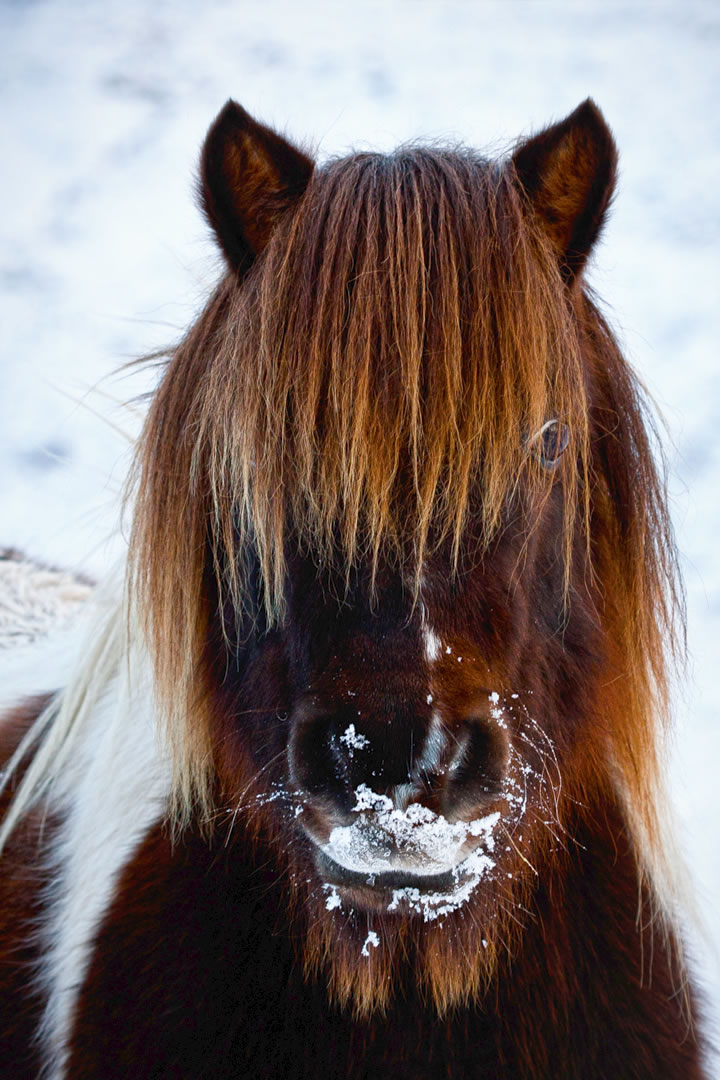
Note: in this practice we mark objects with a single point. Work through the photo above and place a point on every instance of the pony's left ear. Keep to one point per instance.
(249, 177)
(568, 173)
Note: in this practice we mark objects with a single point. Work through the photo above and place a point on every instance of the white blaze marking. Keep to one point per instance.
(431, 641)
(403, 794)
(432, 644)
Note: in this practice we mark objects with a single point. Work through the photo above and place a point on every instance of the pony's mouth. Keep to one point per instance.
(342, 877)
(412, 861)
(402, 892)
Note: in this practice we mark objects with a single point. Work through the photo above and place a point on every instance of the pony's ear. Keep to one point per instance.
(249, 177)
(568, 173)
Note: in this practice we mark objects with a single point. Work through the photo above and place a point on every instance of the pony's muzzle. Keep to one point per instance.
(396, 797)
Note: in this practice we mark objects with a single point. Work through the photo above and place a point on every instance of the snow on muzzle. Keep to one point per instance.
(415, 841)
(413, 860)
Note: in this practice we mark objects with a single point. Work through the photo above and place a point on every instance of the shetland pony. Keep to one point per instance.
(362, 776)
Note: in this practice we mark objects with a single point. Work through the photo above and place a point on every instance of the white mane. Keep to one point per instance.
(106, 652)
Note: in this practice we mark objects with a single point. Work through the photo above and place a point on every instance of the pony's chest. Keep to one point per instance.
(195, 973)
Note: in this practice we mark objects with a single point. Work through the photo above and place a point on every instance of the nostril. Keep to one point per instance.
(485, 754)
(314, 761)
(328, 755)
(462, 764)
(479, 766)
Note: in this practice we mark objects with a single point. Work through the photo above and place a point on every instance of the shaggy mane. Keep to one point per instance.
(369, 388)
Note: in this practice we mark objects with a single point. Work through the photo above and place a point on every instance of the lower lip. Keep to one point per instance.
(380, 887)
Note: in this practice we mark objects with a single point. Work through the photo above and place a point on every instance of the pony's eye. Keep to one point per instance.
(550, 443)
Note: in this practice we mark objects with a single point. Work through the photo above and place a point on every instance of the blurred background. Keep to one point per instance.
(105, 257)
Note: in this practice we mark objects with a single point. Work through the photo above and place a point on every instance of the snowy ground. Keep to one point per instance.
(103, 255)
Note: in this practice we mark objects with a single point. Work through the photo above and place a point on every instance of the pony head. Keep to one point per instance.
(401, 546)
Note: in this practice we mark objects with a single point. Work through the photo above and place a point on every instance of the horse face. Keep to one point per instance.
(409, 738)
(402, 725)
(395, 339)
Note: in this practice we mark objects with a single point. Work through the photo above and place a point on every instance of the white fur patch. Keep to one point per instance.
(434, 748)
(431, 641)
(432, 644)
(115, 790)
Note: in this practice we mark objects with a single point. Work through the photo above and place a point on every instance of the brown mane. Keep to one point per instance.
(386, 357)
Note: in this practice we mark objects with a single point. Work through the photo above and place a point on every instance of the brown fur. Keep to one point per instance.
(224, 996)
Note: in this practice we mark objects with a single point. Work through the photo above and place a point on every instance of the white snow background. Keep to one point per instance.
(104, 255)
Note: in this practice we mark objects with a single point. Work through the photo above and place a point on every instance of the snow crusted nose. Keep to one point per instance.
(412, 779)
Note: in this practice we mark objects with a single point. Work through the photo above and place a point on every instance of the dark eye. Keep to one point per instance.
(550, 443)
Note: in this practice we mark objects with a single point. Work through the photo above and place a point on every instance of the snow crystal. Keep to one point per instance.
(333, 900)
(367, 799)
(496, 712)
(353, 739)
(435, 905)
(373, 940)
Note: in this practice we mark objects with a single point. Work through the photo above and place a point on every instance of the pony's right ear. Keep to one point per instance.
(249, 177)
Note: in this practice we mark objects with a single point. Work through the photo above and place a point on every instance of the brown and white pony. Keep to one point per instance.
(362, 778)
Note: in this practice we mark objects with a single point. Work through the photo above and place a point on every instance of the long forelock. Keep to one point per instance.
(368, 390)
(403, 336)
